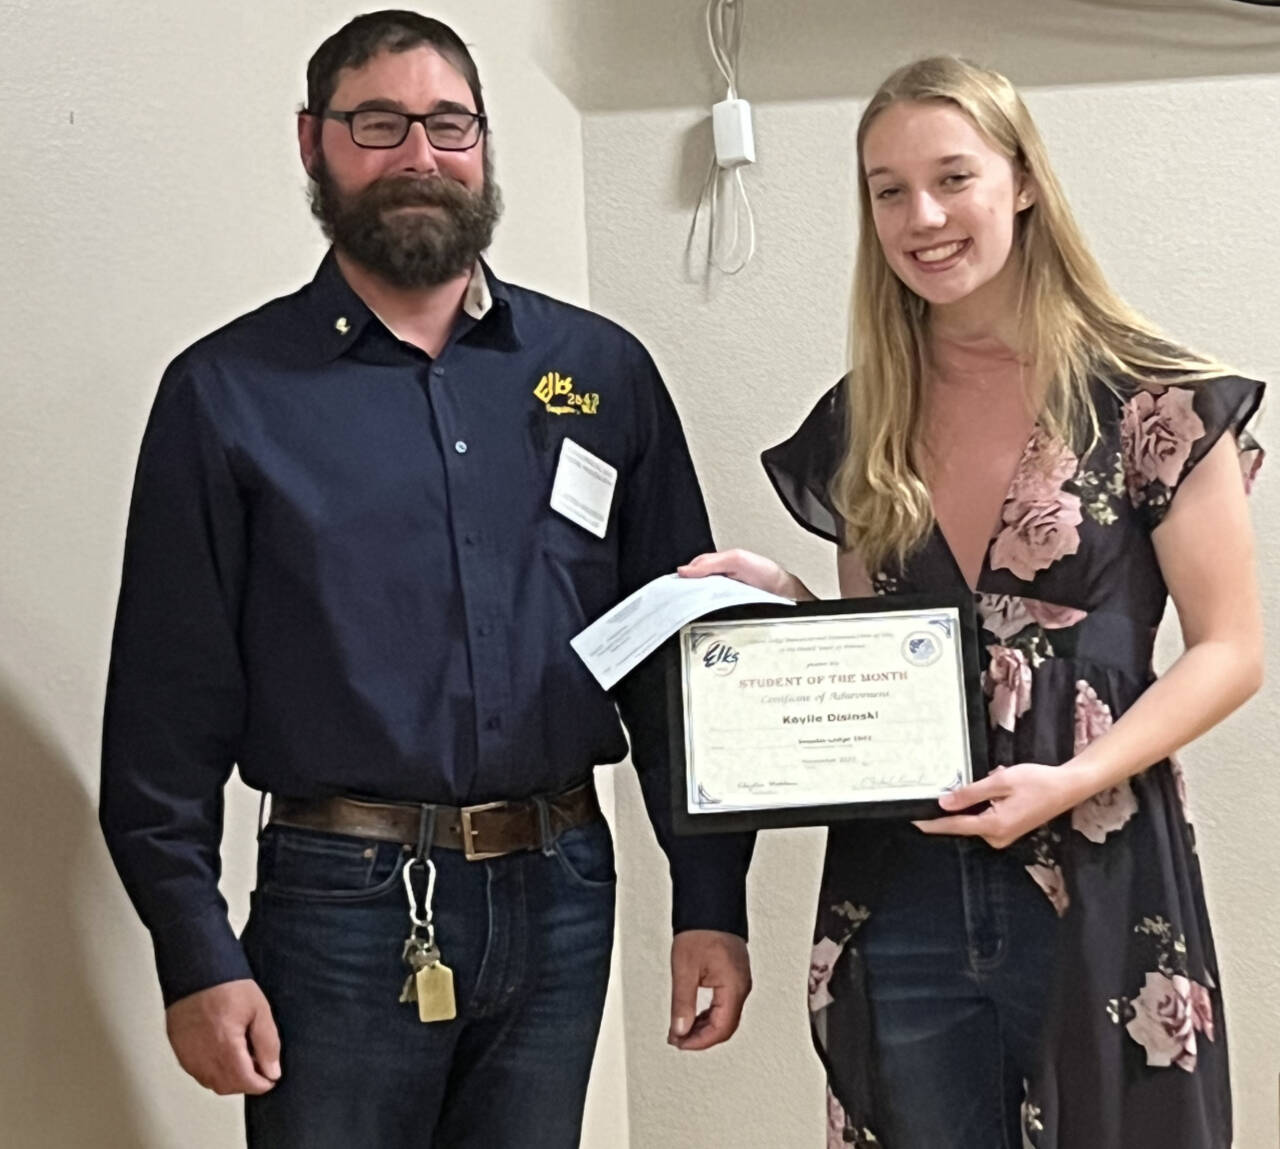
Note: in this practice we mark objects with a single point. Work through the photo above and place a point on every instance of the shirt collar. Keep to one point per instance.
(341, 316)
(478, 299)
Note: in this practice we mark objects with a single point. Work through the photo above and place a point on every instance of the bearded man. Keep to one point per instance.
(366, 521)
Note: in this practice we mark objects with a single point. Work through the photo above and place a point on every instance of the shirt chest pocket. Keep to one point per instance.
(583, 568)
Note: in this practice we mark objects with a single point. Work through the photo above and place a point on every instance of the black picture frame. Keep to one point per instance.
(730, 821)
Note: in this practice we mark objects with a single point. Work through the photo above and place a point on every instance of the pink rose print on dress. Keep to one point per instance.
(1093, 716)
(1167, 1013)
(1156, 435)
(835, 1122)
(821, 962)
(1107, 811)
(1046, 464)
(1053, 617)
(1008, 681)
(1036, 535)
(1050, 879)
(1202, 1009)
(1006, 615)
(1180, 786)
(1040, 519)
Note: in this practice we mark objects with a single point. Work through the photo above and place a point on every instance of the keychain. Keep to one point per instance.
(430, 981)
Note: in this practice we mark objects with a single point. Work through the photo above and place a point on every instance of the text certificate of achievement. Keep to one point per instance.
(822, 711)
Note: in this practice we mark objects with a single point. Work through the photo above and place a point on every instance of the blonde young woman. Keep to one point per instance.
(1036, 960)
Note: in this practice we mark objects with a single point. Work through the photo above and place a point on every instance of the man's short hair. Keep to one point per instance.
(390, 30)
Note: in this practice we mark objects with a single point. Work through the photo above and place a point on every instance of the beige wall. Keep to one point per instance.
(151, 192)
(617, 56)
(1174, 182)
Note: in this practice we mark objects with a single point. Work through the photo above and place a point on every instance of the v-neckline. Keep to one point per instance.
(941, 536)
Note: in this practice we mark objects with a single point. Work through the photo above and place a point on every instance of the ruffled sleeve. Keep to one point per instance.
(1166, 431)
(801, 468)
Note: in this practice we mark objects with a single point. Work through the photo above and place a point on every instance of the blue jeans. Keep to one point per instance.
(959, 958)
(528, 937)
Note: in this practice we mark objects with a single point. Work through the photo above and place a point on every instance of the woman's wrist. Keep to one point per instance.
(1086, 776)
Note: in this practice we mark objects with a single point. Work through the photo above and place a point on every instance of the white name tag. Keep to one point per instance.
(583, 488)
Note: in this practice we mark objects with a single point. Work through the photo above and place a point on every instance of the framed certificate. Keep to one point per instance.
(818, 712)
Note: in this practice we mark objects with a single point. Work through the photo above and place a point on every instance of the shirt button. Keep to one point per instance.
(460, 447)
(470, 540)
(437, 371)
(484, 630)
(493, 723)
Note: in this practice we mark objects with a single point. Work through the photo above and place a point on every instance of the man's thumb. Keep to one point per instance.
(684, 995)
(264, 1042)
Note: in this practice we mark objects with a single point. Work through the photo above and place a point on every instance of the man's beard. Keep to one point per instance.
(409, 248)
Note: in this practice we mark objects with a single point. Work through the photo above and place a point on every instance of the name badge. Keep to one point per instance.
(583, 488)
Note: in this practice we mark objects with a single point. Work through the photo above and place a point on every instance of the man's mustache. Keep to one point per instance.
(414, 191)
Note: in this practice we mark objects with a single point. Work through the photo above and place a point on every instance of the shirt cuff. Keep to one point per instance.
(195, 953)
(709, 883)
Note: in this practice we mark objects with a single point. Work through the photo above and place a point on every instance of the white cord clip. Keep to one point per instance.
(734, 148)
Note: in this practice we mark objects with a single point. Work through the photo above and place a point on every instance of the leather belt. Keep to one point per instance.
(489, 830)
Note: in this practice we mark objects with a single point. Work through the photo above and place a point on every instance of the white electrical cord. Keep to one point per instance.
(724, 35)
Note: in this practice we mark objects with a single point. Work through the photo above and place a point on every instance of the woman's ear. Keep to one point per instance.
(1026, 195)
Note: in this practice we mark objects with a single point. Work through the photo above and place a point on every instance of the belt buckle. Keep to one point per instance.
(469, 834)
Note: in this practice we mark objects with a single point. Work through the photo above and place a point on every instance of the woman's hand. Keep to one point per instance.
(1022, 797)
(748, 567)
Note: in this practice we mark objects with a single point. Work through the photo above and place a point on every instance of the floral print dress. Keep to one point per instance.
(1133, 1053)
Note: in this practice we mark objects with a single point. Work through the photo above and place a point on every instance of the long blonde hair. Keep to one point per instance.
(1072, 327)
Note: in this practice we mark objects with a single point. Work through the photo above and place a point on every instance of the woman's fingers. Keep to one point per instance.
(745, 566)
(988, 789)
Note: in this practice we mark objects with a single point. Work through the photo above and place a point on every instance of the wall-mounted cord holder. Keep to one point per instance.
(731, 241)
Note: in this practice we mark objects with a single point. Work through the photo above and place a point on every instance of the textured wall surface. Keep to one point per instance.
(152, 192)
(1173, 183)
(619, 56)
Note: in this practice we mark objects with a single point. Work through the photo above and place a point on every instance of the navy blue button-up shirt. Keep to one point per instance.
(342, 574)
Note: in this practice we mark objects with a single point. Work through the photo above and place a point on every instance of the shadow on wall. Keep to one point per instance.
(61, 1077)
(609, 57)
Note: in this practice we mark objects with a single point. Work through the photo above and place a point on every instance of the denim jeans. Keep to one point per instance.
(959, 958)
(528, 937)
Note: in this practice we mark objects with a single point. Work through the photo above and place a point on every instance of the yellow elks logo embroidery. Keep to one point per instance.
(558, 396)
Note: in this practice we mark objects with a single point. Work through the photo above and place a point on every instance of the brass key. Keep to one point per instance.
(417, 954)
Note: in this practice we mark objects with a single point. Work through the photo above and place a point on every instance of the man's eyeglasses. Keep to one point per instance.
(378, 128)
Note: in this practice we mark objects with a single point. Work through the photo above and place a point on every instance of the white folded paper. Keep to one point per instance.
(620, 640)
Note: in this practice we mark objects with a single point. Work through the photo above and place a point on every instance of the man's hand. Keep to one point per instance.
(226, 1038)
(718, 961)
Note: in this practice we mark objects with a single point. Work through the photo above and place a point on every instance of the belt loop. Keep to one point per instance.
(426, 832)
(547, 839)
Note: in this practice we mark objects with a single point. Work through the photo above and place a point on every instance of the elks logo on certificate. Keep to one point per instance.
(583, 488)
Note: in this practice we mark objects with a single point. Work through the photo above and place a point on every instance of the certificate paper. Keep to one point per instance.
(826, 710)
